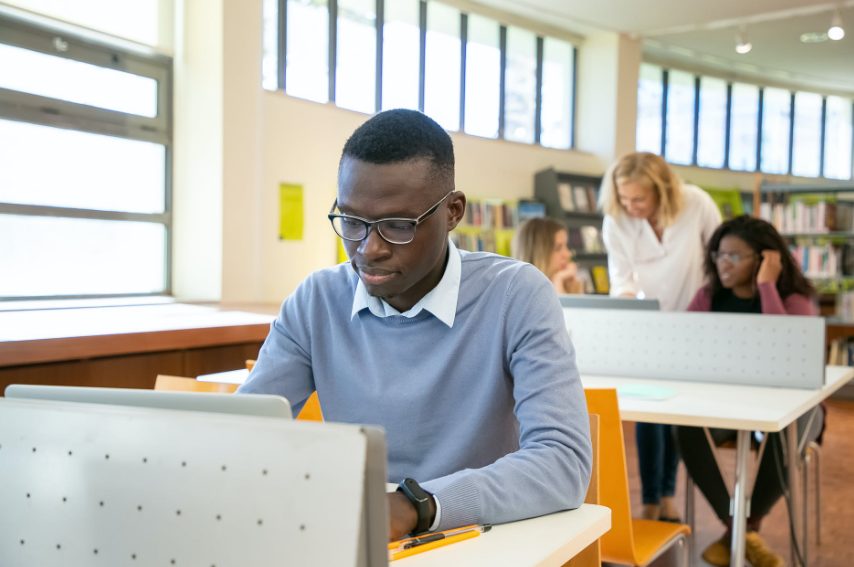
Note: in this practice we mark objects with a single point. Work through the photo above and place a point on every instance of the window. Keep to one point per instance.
(483, 76)
(743, 127)
(556, 114)
(806, 151)
(442, 66)
(97, 220)
(650, 103)
(356, 64)
(270, 60)
(776, 124)
(679, 137)
(711, 139)
(520, 86)
(401, 54)
(838, 138)
(307, 69)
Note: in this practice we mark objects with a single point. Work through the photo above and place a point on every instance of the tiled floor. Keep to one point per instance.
(837, 549)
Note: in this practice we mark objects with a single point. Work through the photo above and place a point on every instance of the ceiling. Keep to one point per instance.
(701, 34)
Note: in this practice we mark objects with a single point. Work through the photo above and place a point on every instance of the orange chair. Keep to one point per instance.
(310, 411)
(630, 541)
(591, 556)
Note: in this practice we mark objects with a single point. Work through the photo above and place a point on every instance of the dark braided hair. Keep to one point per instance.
(759, 235)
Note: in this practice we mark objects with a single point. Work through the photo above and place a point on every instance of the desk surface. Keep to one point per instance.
(723, 405)
(547, 541)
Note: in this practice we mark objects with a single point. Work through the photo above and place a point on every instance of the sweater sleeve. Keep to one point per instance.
(283, 367)
(772, 304)
(551, 469)
(702, 301)
(620, 265)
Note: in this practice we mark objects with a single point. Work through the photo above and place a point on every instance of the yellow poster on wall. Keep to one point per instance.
(342, 254)
(290, 212)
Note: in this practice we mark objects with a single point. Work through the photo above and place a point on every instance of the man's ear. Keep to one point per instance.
(456, 209)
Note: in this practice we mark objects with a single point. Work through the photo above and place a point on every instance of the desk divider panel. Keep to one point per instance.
(755, 350)
(85, 484)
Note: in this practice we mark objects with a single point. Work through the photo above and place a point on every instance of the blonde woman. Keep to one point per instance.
(655, 231)
(542, 242)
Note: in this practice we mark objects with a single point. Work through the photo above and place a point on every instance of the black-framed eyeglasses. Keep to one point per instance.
(731, 258)
(393, 231)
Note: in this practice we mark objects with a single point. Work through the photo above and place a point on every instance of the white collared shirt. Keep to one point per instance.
(441, 301)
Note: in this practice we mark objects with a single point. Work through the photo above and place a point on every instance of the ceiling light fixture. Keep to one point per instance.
(836, 32)
(814, 37)
(742, 44)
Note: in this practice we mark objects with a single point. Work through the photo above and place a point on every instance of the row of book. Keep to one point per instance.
(585, 239)
(478, 240)
(822, 261)
(595, 279)
(579, 198)
(842, 351)
(500, 215)
(802, 218)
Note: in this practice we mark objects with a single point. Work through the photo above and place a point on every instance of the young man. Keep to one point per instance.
(462, 357)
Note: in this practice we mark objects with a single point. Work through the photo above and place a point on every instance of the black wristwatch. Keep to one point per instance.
(421, 500)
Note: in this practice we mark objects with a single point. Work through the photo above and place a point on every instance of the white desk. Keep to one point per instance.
(743, 408)
(547, 541)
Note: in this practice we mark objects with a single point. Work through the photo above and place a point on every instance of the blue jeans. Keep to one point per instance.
(658, 460)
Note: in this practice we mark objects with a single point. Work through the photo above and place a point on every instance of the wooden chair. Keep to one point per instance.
(310, 411)
(591, 556)
(630, 541)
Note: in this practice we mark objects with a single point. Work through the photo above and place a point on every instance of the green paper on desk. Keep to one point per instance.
(645, 392)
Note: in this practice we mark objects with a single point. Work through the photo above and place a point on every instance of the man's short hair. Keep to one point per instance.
(400, 135)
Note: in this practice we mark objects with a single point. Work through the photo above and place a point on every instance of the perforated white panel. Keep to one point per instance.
(759, 350)
(97, 485)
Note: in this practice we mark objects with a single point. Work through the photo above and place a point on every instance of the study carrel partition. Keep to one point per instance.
(755, 350)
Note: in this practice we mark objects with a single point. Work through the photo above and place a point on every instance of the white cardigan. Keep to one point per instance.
(671, 270)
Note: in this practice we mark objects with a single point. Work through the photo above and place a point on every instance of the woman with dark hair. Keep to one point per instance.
(749, 269)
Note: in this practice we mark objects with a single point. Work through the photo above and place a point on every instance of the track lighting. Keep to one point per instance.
(836, 32)
(742, 44)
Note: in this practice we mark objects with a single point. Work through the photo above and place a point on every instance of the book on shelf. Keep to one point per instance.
(600, 279)
(579, 197)
(585, 277)
(587, 239)
(802, 217)
(564, 193)
(842, 351)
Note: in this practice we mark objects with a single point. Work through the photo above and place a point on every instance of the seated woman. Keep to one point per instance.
(749, 270)
(542, 242)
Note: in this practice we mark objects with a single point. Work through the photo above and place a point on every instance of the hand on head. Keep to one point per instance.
(770, 268)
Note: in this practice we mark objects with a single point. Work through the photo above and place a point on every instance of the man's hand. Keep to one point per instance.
(403, 516)
(770, 268)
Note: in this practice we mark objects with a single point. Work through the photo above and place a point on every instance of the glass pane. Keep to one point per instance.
(81, 83)
(520, 86)
(743, 127)
(401, 54)
(711, 144)
(307, 71)
(679, 143)
(483, 76)
(270, 60)
(776, 123)
(838, 138)
(442, 70)
(650, 102)
(62, 256)
(556, 115)
(87, 171)
(356, 63)
(806, 153)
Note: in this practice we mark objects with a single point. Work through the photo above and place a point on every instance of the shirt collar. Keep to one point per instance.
(441, 301)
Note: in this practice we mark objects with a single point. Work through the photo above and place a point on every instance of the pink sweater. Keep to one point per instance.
(772, 304)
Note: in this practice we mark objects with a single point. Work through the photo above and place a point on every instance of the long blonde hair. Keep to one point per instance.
(650, 170)
(534, 242)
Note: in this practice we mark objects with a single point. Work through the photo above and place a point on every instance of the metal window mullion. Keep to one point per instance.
(759, 129)
(282, 46)
(502, 78)
(696, 119)
(538, 100)
(728, 132)
(791, 132)
(164, 218)
(823, 133)
(464, 36)
(422, 53)
(333, 47)
(665, 87)
(573, 110)
(380, 20)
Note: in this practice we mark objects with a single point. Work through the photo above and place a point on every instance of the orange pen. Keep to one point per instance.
(433, 545)
(399, 544)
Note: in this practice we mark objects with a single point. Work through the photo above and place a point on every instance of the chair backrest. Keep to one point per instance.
(618, 543)
(310, 411)
(180, 384)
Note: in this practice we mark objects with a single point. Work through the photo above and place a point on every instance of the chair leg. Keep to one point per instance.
(686, 556)
(689, 500)
(815, 449)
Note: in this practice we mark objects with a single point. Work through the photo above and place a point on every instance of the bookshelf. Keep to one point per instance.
(490, 224)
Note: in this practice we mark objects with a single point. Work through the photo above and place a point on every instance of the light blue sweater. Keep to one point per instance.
(489, 415)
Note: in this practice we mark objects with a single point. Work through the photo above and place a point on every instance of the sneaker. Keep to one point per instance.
(758, 553)
(718, 553)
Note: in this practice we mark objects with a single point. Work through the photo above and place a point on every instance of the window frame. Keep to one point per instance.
(45, 111)
(281, 62)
